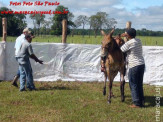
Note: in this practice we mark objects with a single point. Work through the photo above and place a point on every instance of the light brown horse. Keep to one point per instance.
(114, 63)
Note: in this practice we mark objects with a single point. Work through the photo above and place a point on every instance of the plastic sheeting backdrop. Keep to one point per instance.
(72, 62)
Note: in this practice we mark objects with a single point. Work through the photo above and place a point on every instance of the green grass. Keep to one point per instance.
(72, 101)
(146, 40)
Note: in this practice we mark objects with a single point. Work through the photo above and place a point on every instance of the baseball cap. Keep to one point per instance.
(131, 32)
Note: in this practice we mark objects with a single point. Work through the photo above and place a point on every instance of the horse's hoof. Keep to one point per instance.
(104, 91)
(122, 99)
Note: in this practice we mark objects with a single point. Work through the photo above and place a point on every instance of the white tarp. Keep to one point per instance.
(70, 62)
(2, 60)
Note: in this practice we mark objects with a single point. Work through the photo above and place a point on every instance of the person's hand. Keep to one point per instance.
(40, 61)
(123, 34)
(119, 40)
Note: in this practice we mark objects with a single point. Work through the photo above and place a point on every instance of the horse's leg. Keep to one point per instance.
(122, 81)
(110, 88)
(104, 89)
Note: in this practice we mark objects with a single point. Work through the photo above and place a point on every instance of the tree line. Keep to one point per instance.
(82, 25)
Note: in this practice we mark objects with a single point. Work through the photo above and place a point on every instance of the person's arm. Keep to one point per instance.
(35, 58)
(119, 40)
(125, 47)
(16, 41)
(32, 55)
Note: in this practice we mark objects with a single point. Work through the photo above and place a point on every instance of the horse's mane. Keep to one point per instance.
(115, 45)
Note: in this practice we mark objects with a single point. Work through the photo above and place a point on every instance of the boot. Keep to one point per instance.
(14, 82)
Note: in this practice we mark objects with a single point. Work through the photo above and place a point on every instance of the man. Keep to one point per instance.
(25, 52)
(136, 65)
(18, 43)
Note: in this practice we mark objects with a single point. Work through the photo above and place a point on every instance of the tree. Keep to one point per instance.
(76, 25)
(38, 19)
(101, 21)
(110, 23)
(95, 23)
(83, 20)
(15, 23)
(57, 21)
(46, 24)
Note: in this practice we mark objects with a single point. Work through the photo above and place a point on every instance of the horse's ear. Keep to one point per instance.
(112, 31)
(103, 33)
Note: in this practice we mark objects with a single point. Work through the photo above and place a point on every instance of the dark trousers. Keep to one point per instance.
(136, 84)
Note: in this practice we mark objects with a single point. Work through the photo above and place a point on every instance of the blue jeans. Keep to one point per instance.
(26, 72)
(18, 73)
(136, 84)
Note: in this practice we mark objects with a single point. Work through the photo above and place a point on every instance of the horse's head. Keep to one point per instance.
(119, 40)
(108, 41)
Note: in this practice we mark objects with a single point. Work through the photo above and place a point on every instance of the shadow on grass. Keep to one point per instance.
(56, 88)
(150, 101)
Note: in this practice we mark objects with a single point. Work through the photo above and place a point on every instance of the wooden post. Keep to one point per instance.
(64, 30)
(4, 25)
(128, 26)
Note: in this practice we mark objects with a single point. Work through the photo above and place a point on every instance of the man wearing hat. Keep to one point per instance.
(25, 52)
(136, 64)
(18, 43)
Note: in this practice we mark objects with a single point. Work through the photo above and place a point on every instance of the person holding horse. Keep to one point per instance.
(136, 64)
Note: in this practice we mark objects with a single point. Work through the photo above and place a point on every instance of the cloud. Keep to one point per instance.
(1, 4)
(150, 17)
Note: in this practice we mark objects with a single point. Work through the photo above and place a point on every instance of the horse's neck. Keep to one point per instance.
(115, 46)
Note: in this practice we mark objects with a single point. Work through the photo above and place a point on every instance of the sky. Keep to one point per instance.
(142, 13)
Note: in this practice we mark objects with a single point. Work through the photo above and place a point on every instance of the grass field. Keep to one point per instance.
(73, 102)
(146, 40)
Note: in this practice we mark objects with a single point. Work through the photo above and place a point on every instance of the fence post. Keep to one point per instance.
(156, 43)
(64, 30)
(128, 26)
(4, 24)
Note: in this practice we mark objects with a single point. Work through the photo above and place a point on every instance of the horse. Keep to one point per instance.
(115, 62)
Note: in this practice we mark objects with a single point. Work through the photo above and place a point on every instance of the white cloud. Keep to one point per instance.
(149, 17)
(1, 4)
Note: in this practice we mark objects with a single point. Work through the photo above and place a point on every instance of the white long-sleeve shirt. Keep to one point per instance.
(134, 51)
(18, 43)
